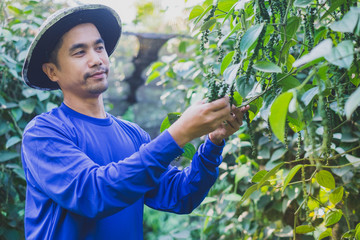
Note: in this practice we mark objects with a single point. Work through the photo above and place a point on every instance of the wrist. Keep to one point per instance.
(178, 135)
(217, 141)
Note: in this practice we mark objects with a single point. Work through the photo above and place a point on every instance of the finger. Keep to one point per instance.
(219, 104)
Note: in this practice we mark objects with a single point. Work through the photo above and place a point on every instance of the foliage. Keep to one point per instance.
(293, 169)
(18, 105)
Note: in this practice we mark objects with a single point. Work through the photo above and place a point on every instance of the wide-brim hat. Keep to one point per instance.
(104, 18)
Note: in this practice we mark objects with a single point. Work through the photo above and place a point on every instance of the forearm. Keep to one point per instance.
(183, 191)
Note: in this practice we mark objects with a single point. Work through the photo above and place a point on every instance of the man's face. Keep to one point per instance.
(83, 63)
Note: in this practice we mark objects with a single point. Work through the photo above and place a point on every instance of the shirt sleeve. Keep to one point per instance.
(54, 165)
(182, 191)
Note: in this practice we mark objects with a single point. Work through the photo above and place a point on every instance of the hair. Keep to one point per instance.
(53, 54)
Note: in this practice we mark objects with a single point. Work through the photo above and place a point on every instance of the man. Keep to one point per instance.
(88, 173)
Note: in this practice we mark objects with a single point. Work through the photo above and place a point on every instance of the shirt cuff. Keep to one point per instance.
(211, 153)
(164, 148)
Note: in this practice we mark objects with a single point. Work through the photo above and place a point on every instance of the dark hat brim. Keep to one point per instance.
(104, 18)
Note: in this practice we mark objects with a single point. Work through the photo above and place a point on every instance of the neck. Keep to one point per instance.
(93, 107)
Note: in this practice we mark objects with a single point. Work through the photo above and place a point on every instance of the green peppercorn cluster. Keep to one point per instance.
(309, 19)
(216, 88)
(205, 34)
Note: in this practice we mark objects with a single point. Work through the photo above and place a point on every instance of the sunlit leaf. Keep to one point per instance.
(195, 12)
(326, 233)
(336, 195)
(332, 217)
(278, 114)
(325, 179)
(226, 61)
(304, 229)
(258, 176)
(290, 175)
(271, 173)
(302, 3)
(154, 75)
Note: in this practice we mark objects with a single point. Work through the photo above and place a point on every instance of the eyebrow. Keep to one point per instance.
(83, 45)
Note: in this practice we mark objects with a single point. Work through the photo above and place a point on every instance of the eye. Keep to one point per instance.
(100, 48)
(79, 53)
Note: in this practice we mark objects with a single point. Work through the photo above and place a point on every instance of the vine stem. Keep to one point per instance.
(17, 128)
(330, 158)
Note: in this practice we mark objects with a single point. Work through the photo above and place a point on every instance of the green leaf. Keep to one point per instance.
(6, 155)
(357, 232)
(237, 99)
(226, 5)
(304, 229)
(332, 217)
(154, 75)
(255, 107)
(232, 197)
(347, 23)
(12, 141)
(320, 50)
(292, 26)
(250, 36)
(326, 233)
(226, 61)
(20, 173)
(342, 55)
(334, 5)
(229, 13)
(14, 9)
(278, 154)
(197, 20)
(278, 114)
(208, 24)
(230, 73)
(244, 87)
(290, 175)
(248, 192)
(189, 151)
(352, 103)
(258, 176)
(265, 66)
(271, 173)
(309, 95)
(288, 82)
(208, 200)
(336, 195)
(42, 95)
(348, 234)
(325, 179)
(302, 3)
(296, 124)
(196, 11)
(28, 105)
(170, 119)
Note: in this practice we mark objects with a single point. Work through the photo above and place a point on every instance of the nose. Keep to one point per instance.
(95, 59)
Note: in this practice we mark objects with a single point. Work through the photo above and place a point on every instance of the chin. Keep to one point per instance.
(98, 89)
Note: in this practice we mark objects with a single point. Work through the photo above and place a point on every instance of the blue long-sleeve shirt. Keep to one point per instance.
(89, 178)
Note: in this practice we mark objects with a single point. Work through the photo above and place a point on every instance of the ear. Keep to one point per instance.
(50, 70)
